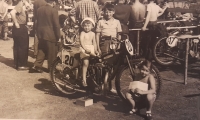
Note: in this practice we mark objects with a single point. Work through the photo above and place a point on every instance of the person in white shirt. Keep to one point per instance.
(152, 13)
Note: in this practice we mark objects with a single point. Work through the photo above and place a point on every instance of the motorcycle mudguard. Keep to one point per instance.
(70, 57)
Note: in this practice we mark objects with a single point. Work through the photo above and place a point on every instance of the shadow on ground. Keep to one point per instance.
(10, 62)
(111, 102)
(178, 69)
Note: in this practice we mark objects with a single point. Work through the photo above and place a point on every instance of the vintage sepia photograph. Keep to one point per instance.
(100, 59)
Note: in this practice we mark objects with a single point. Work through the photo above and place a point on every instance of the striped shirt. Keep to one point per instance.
(87, 8)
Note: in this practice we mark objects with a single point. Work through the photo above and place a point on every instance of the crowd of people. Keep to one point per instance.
(95, 23)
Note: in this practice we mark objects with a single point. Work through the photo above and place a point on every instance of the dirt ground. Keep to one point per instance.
(31, 95)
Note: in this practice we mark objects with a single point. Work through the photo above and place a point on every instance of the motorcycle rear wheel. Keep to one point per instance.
(124, 78)
(60, 83)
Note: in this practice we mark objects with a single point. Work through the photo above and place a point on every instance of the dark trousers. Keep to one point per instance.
(46, 49)
(21, 45)
(36, 42)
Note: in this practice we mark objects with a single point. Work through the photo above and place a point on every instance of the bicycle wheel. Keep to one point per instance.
(62, 80)
(162, 52)
(124, 78)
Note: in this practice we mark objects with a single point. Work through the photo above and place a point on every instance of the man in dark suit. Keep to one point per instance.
(37, 4)
(48, 33)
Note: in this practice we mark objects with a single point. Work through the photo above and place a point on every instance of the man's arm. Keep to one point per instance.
(56, 25)
(161, 11)
(13, 15)
(146, 20)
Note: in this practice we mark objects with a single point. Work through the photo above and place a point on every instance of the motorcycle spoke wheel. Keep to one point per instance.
(61, 81)
(162, 53)
(124, 78)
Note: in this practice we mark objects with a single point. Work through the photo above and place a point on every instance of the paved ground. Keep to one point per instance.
(31, 96)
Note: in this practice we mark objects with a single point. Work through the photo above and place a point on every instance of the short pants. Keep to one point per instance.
(4, 25)
(85, 55)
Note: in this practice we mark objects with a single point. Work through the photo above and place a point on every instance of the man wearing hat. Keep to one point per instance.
(48, 33)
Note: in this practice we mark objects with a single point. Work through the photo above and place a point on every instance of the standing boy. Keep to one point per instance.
(108, 26)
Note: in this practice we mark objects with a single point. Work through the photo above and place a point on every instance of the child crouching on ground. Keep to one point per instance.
(135, 96)
(88, 45)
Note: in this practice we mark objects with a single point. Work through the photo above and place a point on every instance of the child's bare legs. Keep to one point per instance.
(130, 99)
(84, 71)
(150, 99)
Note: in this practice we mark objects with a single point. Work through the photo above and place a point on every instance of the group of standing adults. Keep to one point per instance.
(47, 27)
(47, 30)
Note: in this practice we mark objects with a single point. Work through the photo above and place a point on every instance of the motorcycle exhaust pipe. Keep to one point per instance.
(62, 84)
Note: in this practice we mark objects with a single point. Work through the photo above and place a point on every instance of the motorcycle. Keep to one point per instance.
(66, 75)
(171, 49)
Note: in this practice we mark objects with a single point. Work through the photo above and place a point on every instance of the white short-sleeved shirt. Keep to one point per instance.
(154, 9)
(109, 28)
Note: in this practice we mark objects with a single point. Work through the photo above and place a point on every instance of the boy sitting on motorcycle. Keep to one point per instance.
(88, 45)
(135, 95)
(107, 26)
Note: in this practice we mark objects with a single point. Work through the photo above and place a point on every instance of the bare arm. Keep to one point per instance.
(5, 13)
(162, 10)
(97, 41)
(147, 19)
(94, 42)
(13, 15)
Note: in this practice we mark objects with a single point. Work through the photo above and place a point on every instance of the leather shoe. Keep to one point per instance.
(35, 70)
(22, 68)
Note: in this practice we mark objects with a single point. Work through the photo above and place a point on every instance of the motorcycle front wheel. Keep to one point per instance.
(124, 78)
(61, 79)
(162, 53)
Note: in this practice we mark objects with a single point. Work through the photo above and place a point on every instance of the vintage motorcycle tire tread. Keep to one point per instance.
(155, 56)
(119, 74)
